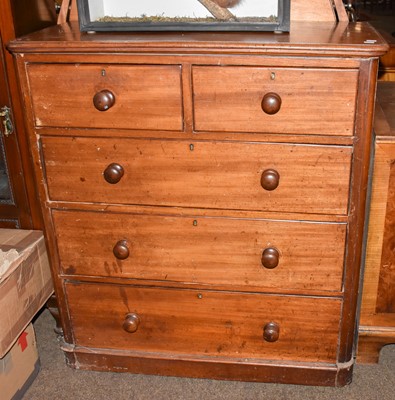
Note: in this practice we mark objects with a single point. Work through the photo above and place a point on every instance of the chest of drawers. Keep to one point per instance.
(204, 196)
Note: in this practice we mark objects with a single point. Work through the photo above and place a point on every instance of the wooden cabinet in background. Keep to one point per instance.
(377, 320)
(19, 206)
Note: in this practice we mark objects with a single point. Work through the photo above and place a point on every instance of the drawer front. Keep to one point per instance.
(304, 101)
(204, 323)
(311, 179)
(143, 97)
(246, 253)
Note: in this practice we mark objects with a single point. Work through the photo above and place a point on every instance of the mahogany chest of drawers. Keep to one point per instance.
(204, 196)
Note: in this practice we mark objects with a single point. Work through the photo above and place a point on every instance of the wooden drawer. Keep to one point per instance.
(204, 323)
(313, 101)
(243, 253)
(145, 97)
(311, 179)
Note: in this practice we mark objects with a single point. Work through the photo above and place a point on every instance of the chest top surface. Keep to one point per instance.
(312, 38)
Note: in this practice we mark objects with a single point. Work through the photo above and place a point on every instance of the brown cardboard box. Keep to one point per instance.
(25, 282)
(19, 366)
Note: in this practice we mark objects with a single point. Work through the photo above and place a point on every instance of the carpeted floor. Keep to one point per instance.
(56, 381)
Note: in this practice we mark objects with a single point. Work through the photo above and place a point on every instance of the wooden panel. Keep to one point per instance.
(220, 251)
(313, 10)
(202, 367)
(9, 224)
(386, 287)
(331, 42)
(146, 97)
(32, 15)
(313, 179)
(384, 156)
(204, 323)
(313, 101)
(384, 118)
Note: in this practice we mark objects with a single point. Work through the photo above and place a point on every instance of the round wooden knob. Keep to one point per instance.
(270, 258)
(113, 173)
(131, 323)
(271, 103)
(270, 179)
(121, 250)
(103, 100)
(271, 332)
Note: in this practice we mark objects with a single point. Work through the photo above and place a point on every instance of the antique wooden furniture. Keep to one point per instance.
(377, 320)
(18, 200)
(387, 61)
(204, 195)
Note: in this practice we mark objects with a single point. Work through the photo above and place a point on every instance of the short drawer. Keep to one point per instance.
(228, 252)
(248, 176)
(274, 100)
(204, 323)
(127, 96)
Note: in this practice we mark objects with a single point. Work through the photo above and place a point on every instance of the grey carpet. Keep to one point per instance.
(57, 382)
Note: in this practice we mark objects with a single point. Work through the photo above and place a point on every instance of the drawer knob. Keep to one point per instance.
(271, 103)
(270, 257)
(271, 332)
(121, 250)
(103, 100)
(131, 323)
(113, 173)
(270, 179)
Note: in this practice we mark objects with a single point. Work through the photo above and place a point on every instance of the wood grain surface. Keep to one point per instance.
(314, 101)
(146, 97)
(204, 323)
(202, 250)
(313, 179)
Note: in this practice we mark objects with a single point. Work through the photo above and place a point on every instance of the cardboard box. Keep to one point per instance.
(25, 282)
(20, 366)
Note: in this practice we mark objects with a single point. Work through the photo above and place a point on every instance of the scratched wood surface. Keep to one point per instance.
(226, 252)
(313, 179)
(146, 97)
(193, 322)
(229, 99)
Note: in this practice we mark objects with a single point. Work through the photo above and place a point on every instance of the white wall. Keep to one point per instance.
(175, 8)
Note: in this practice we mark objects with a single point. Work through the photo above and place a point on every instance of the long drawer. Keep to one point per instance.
(248, 176)
(107, 96)
(277, 100)
(230, 252)
(204, 323)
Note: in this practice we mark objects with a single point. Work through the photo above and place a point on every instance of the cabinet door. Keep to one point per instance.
(14, 207)
(19, 207)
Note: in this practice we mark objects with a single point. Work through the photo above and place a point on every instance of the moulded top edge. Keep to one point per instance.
(321, 38)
